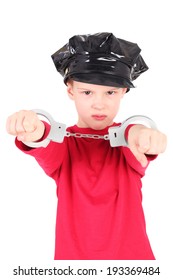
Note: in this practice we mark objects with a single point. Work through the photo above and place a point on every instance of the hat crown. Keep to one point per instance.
(104, 43)
(98, 42)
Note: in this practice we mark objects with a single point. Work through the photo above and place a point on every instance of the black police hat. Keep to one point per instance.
(101, 59)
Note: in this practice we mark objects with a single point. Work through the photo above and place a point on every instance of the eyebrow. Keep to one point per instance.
(115, 88)
(84, 88)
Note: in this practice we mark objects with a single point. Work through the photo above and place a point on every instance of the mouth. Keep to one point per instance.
(99, 117)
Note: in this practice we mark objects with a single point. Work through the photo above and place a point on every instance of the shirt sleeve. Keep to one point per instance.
(50, 158)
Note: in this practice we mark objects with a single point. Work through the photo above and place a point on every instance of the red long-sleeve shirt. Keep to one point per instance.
(100, 214)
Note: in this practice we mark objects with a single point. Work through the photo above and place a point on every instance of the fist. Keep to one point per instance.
(144, 141)
(25, 125)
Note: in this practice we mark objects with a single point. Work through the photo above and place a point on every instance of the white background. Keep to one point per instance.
(30, 32)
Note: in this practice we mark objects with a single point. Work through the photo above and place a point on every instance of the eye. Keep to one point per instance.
(111, 92)
(87, 92)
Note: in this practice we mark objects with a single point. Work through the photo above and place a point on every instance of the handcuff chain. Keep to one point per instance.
(116, 134)
(92, 136)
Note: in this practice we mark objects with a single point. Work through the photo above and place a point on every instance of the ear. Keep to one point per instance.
(70, 91)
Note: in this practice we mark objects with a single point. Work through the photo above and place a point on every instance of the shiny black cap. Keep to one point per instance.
(101, 59)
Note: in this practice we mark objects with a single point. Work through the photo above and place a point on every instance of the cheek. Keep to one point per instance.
(114, 106)
(115, 103)
(81, 106)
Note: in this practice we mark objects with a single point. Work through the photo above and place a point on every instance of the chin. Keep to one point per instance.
(98, 126)
(101, 125)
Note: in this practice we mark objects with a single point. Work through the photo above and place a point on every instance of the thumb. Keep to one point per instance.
(139, 156)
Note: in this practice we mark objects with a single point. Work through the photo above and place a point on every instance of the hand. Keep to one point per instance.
(144, 141)
(25, 125)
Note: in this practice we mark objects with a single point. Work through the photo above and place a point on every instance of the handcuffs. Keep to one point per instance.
(116, 134)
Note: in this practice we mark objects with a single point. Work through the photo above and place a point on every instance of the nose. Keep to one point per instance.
(98, 102)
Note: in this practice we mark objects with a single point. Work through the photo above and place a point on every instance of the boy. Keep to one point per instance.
(100, 213)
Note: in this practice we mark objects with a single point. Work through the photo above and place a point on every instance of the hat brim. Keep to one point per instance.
(100, 79)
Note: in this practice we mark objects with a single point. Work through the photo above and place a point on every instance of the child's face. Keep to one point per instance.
(96, 105)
